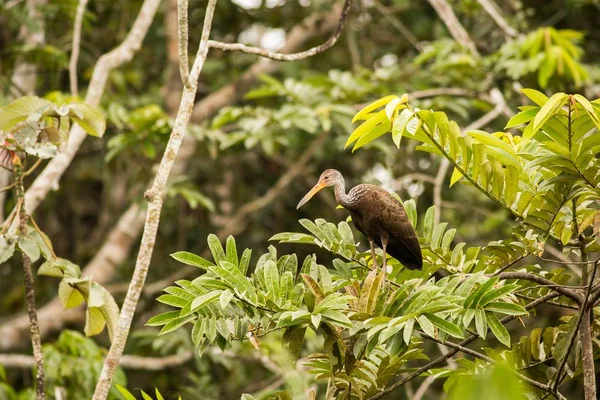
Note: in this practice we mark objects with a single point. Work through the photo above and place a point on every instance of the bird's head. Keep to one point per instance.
(329, 177)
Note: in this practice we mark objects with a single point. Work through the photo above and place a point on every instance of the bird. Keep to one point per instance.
(378, 216)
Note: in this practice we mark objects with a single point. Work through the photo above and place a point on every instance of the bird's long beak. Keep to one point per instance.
(320, 185)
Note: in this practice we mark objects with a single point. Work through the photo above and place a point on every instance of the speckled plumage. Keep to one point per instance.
(378, 215)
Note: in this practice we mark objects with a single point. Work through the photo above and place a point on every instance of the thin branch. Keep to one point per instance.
(442, 359)
(423, 388)
(396, 23)
(466, 350)
(492, 10)
(583, 321)
(155, 200)
(552, 303)
(34, 329)
(457, 31)
(183, 35)
(542, 281)
(287, 57)
(75, 46)
(127, 361)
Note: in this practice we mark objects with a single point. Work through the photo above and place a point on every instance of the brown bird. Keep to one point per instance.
(378, 215)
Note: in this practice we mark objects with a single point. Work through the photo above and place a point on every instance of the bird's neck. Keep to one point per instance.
(340, 194)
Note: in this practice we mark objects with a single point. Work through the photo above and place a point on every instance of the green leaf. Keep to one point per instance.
(162, 319)
(522, 117)
(236, 281)
(506, 308)
(50, 268)
(145, 395)
(294, 336)
(205, 299)
(445, 326)
(496, 293)
(191, 259)
(548, 110)
(7, 249)
(216, 249)
(399, 125)
(588, 108)
(126, 394)
(69, 296)
(498, 329)
(480, 323)
(231, 250)
(158, 395)
(19, 110)
(94, 321)
(225, 298)
(428, 223)
(371, 135)
(537, 97)
(174, 324)
(373, 106)
(90, 119)
(272, 279)
(367, 126)
(29, 247)
(370, 292)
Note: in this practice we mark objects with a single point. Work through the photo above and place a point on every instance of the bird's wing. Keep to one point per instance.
(395, 221)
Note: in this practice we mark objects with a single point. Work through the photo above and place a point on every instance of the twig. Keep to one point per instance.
(457, 31)
(75, 47)
(493, 11)
(7, 188)
(423, 388)
(154, 196)
(396, 23)
(583, 321)
(127, 361)
(466, 350)
(34, 329)
(442, 359)
(552, 303)
(542, 281)
(183, 35)
(287, 57)
(33, 167)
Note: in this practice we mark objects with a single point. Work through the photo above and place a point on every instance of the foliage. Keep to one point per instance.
(39, 128)
(550, 53)
(127, 395)
(73, 363)
(371, 329)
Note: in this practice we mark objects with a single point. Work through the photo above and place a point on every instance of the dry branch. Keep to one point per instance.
(127, 361)
(492, 10)
(444, 10)
(154, 195)
(75, 45)
(242, 48)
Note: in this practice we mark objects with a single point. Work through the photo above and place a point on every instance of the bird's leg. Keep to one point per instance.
(384, 242)
(373, 255)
